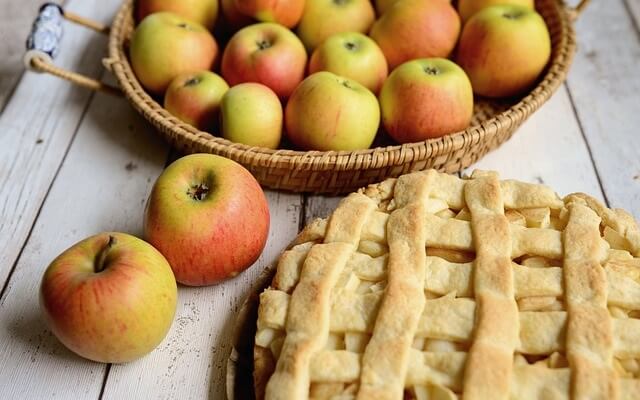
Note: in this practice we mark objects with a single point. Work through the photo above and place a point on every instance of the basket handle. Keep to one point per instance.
(43, 45)
(574, 12)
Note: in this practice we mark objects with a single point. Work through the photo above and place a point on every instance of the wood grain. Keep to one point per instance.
(36, 128)
(604, 85)
(548, 149)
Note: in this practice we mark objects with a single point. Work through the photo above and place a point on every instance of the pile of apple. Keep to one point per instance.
(308, 68)
(112, 297)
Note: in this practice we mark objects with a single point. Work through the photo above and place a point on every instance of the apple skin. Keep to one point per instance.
(208, 216)
(354, 56)
(329, 112)
(251, 114)
(323, 18)
(416, 29)
(283, 12)
(233, 18)
(195, 98)
(118, 314)
(266, 53)
(503, 50)
(203, 12)
(166, 45)
(466, 8)
(383, 5)
(426, 98)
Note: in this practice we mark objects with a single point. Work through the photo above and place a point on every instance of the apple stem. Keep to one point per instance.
(198, 192)
(100, 261)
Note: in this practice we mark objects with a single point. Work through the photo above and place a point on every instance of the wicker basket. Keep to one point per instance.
(344, 171)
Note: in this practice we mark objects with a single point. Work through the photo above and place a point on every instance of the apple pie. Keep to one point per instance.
(429, 286)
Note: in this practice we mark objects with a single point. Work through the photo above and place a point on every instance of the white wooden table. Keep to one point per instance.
(74, 163)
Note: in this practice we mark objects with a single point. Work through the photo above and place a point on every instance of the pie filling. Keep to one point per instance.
(433, 287)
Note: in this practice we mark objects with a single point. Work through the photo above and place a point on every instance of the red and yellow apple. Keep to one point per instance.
(353, 56)
(251, 114)
(233, 18)
(203, 12)
(208, 216)
(503, 50)
(195, 98)
(166, 45)
(323, 18)
(329, 112)
(426, 98)
(416, 29)
(283, 12)
(266, 53)
(466, 8)
(109, 298)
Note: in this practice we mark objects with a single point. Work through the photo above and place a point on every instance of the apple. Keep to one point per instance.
(110, 298)
(416, 29)
(323, 18)
(252, 114)
(266, 53)
(203, 12)
(195, 98)
(504, 49)
(426, 98)
(466, 8)
(208, 216)
(383, 5)
(330, 112)
(354, 56)
(166, 45)
(233, 17)
(283, 12)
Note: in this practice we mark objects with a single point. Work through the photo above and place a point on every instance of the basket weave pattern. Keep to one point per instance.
(337, 172)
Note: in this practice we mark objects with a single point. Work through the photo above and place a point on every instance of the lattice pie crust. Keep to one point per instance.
(434, 287)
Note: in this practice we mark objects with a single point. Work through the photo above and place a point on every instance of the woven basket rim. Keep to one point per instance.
(341, 160)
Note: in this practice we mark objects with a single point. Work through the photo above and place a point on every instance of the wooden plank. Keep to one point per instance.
(634, 8)
(102, 185)
(37, 126)
(548, 148)
(604, 85)
(15, 23)
(191, 362)
(319, 206)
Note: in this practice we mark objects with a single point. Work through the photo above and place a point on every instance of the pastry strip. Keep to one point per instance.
(386, 357)
(488, 372)
(589, 326)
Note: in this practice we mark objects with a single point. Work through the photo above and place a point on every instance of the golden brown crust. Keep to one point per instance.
(526, 295)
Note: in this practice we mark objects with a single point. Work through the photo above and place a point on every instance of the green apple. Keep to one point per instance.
(323, 18)
(208, 216)
(354, 56)
(504, 49)
(166, 45)
(109, 298)
(203, 12)
(426, 98)
(329, 112)
(466, 8)
(195, 98)
(252, 115)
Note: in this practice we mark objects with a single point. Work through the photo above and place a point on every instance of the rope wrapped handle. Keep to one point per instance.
(43, 45)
